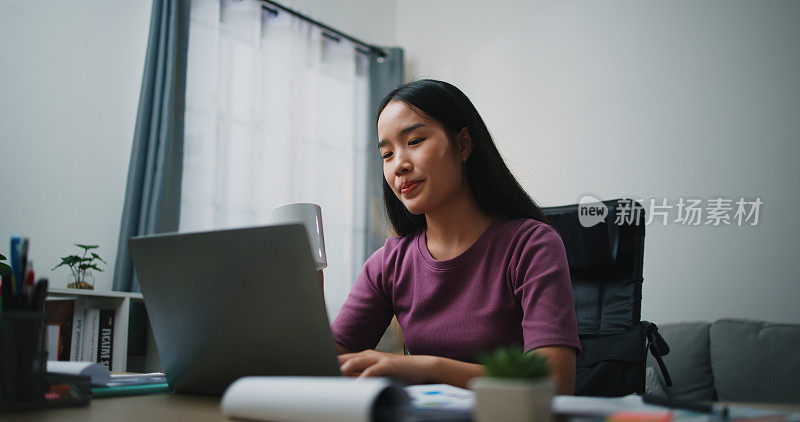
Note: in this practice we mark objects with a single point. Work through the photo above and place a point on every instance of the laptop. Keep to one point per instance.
(231, 303)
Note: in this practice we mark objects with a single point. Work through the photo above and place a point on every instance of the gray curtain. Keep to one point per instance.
(384, 76)
(152, 196)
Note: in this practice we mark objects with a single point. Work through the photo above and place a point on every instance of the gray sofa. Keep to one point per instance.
(732, 360)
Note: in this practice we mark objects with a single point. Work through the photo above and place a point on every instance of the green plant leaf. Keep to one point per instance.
(86, 247)
(5, 270)
(513, 362)
(89, 267)
(96, 256)
(2, 257)
(68, 261)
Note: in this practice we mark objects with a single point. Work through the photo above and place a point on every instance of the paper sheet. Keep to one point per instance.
(601, 406)
(119, 380)
(98, 374)
(441, 396)
(309, 399)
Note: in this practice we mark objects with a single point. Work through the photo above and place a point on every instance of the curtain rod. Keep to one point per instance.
(366, 47)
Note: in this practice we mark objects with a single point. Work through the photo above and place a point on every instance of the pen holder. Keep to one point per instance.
(22, 360)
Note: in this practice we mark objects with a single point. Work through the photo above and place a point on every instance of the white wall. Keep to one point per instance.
(684, 98)
(69, 89)
(650, 100)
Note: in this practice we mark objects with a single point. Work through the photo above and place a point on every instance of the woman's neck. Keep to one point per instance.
(455, 227)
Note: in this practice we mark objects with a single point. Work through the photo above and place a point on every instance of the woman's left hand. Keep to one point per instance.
(371, 363)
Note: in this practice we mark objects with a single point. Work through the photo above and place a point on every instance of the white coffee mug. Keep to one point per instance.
(310, 215)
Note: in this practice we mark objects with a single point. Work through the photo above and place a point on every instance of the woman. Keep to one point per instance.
(474, 266)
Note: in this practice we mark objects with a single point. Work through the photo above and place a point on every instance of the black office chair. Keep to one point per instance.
(605, 263)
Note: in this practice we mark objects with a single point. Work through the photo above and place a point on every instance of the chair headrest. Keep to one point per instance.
(597, 246)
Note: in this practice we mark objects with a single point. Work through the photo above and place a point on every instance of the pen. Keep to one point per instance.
(29, 277)
(23, 261)
(15, 262)
(39, 294)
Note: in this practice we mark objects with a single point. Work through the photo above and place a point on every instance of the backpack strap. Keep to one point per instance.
(658, 347)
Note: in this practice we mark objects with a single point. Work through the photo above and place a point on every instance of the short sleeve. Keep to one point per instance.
(367, 311)
(543, 286)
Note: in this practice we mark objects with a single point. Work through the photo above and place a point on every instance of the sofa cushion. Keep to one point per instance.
(756, 361)
(688, 361)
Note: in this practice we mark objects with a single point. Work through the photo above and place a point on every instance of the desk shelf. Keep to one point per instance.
(129, 311)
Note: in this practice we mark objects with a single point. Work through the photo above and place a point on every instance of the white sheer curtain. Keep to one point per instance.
(275, 113)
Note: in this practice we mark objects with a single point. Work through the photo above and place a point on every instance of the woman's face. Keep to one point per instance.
(419, 161)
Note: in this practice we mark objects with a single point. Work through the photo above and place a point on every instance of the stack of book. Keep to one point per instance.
(105, 384)
(78, 333)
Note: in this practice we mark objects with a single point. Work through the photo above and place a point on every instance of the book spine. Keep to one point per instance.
(65, 336)
(78, 319)
(95, 334)
(105, 345)
(59, 312)
(52, 339)
(90, 334)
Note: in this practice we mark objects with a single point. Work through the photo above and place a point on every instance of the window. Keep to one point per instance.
(275, 113)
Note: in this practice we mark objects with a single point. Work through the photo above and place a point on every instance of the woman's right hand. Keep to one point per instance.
(371, 363)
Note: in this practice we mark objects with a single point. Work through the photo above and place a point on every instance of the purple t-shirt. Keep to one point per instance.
(512, 286)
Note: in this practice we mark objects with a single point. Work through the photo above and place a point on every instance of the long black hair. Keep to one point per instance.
(495, 189)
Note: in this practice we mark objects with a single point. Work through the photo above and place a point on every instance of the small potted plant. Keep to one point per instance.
(79, 267)
(516, 387)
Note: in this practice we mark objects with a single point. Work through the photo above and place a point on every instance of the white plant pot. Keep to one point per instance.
(510, 399)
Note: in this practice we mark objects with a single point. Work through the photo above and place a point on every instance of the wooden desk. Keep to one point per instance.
(174, 407)
(148, 408)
